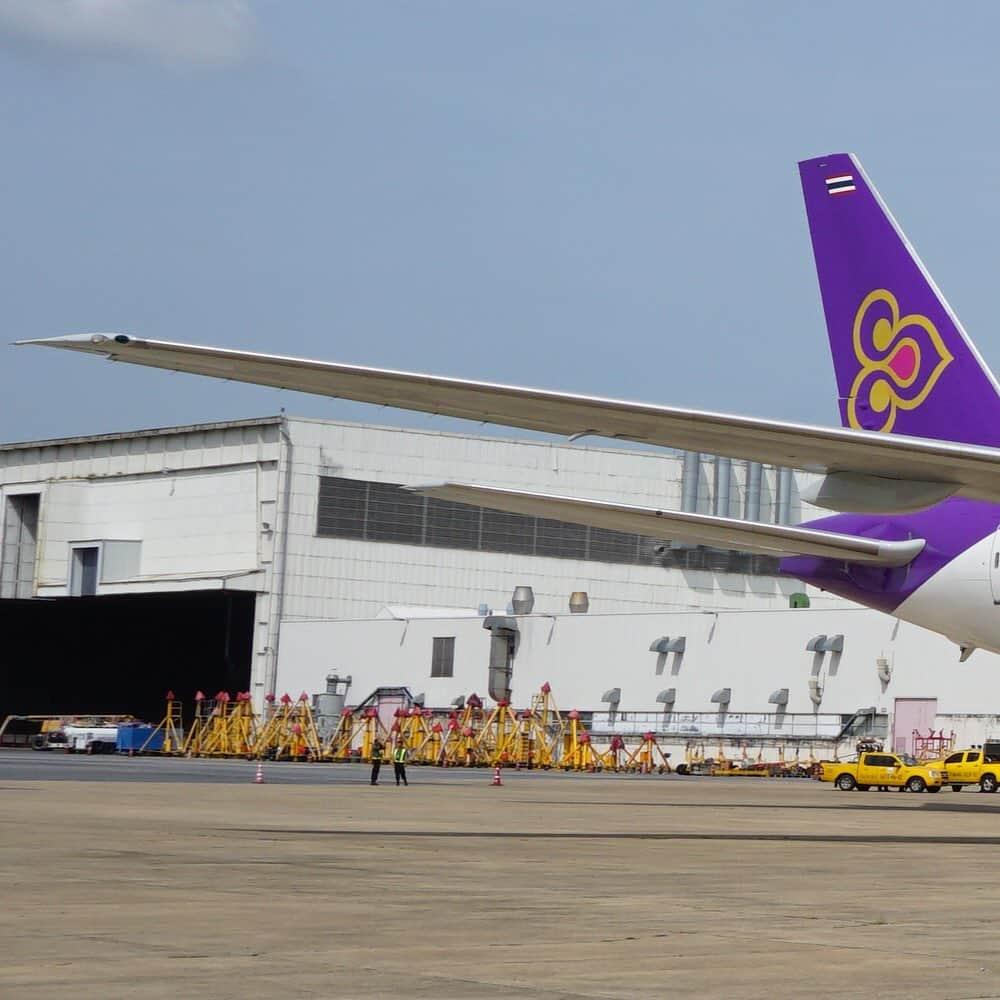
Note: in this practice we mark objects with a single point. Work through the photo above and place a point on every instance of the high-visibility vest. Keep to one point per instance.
(376, 753)
(399, 755)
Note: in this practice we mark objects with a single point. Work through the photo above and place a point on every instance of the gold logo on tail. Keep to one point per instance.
(897, 357)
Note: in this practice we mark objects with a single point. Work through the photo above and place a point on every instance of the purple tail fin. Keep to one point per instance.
(904, 364)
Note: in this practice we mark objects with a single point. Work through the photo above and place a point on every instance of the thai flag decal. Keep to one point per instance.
(841, 184)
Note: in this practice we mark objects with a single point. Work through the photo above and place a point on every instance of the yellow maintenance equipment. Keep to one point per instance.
(203, 708)
(647, 757)
(497, 740)
(172, 728)
(578, 751)
(223, 726)
(541, 732)
(469, 736)
(354, 736)
(290, 733)
(415, 732)
(459, 746)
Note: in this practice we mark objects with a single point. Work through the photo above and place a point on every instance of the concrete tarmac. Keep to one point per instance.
(143, 878)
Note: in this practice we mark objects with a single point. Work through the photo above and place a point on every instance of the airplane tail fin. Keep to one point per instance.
(904, 365)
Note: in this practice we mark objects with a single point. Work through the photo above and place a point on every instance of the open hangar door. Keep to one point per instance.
(121, 654)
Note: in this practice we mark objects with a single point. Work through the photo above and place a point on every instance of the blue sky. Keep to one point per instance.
(594, 197)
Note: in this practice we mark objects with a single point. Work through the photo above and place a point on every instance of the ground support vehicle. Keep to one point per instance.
(882, 770)
(82, 738)
(970, 767)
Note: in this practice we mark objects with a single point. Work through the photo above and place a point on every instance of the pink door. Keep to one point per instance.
(910, 714)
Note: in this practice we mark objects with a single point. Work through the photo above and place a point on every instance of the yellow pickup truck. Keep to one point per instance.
(969, 767)
(882, 770)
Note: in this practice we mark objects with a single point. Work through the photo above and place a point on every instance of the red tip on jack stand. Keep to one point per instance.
(258, 778)
(496, 777)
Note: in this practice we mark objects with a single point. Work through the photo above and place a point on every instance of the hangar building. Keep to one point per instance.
(264, 554)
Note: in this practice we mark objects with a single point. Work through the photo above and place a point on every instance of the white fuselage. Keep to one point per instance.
(960, 601)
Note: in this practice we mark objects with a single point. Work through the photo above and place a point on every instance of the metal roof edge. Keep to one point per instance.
(149, 432)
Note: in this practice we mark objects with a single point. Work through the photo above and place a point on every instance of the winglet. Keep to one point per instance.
(92, 343)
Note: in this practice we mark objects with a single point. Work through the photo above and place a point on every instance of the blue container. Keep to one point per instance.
(132, 736)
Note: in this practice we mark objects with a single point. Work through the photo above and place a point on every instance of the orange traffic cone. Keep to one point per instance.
(258, 778)
(496, 776)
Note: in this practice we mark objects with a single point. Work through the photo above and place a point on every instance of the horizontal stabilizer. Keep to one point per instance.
(972, 470)
(696, 529)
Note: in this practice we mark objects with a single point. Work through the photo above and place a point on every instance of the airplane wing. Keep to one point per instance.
(967, 470)
(698, 529)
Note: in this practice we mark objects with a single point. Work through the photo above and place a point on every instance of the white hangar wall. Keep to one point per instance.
(754, 653)
(353, 578)
(184, 505)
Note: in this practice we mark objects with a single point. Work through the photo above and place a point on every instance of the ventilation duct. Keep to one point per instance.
(826, 643)
(883, 669)
(523, 601)
(720, 486)
(815, 690)
(503, 642)
(667, 645)
(783, 507)
(751, 494)
(779, 697)
(689, 481)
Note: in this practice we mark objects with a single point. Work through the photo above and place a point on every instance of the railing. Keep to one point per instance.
(726, 725)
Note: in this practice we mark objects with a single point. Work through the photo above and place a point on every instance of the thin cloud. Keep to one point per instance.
(198, 33)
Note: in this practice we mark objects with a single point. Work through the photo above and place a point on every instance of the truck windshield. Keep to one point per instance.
(908, 760)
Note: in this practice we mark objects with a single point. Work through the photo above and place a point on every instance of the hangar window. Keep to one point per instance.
(443, 656)
(384, 512)
(343, 507)
(503, 532)
(394, 515)
(20, 538)
(453, 525)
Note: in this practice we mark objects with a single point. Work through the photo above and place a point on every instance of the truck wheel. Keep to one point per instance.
(916, 784)
(845, 782)
(956, 788)
(988, 783)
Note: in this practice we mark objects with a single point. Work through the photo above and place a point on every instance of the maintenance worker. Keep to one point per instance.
(399, 763)
(378, 749)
